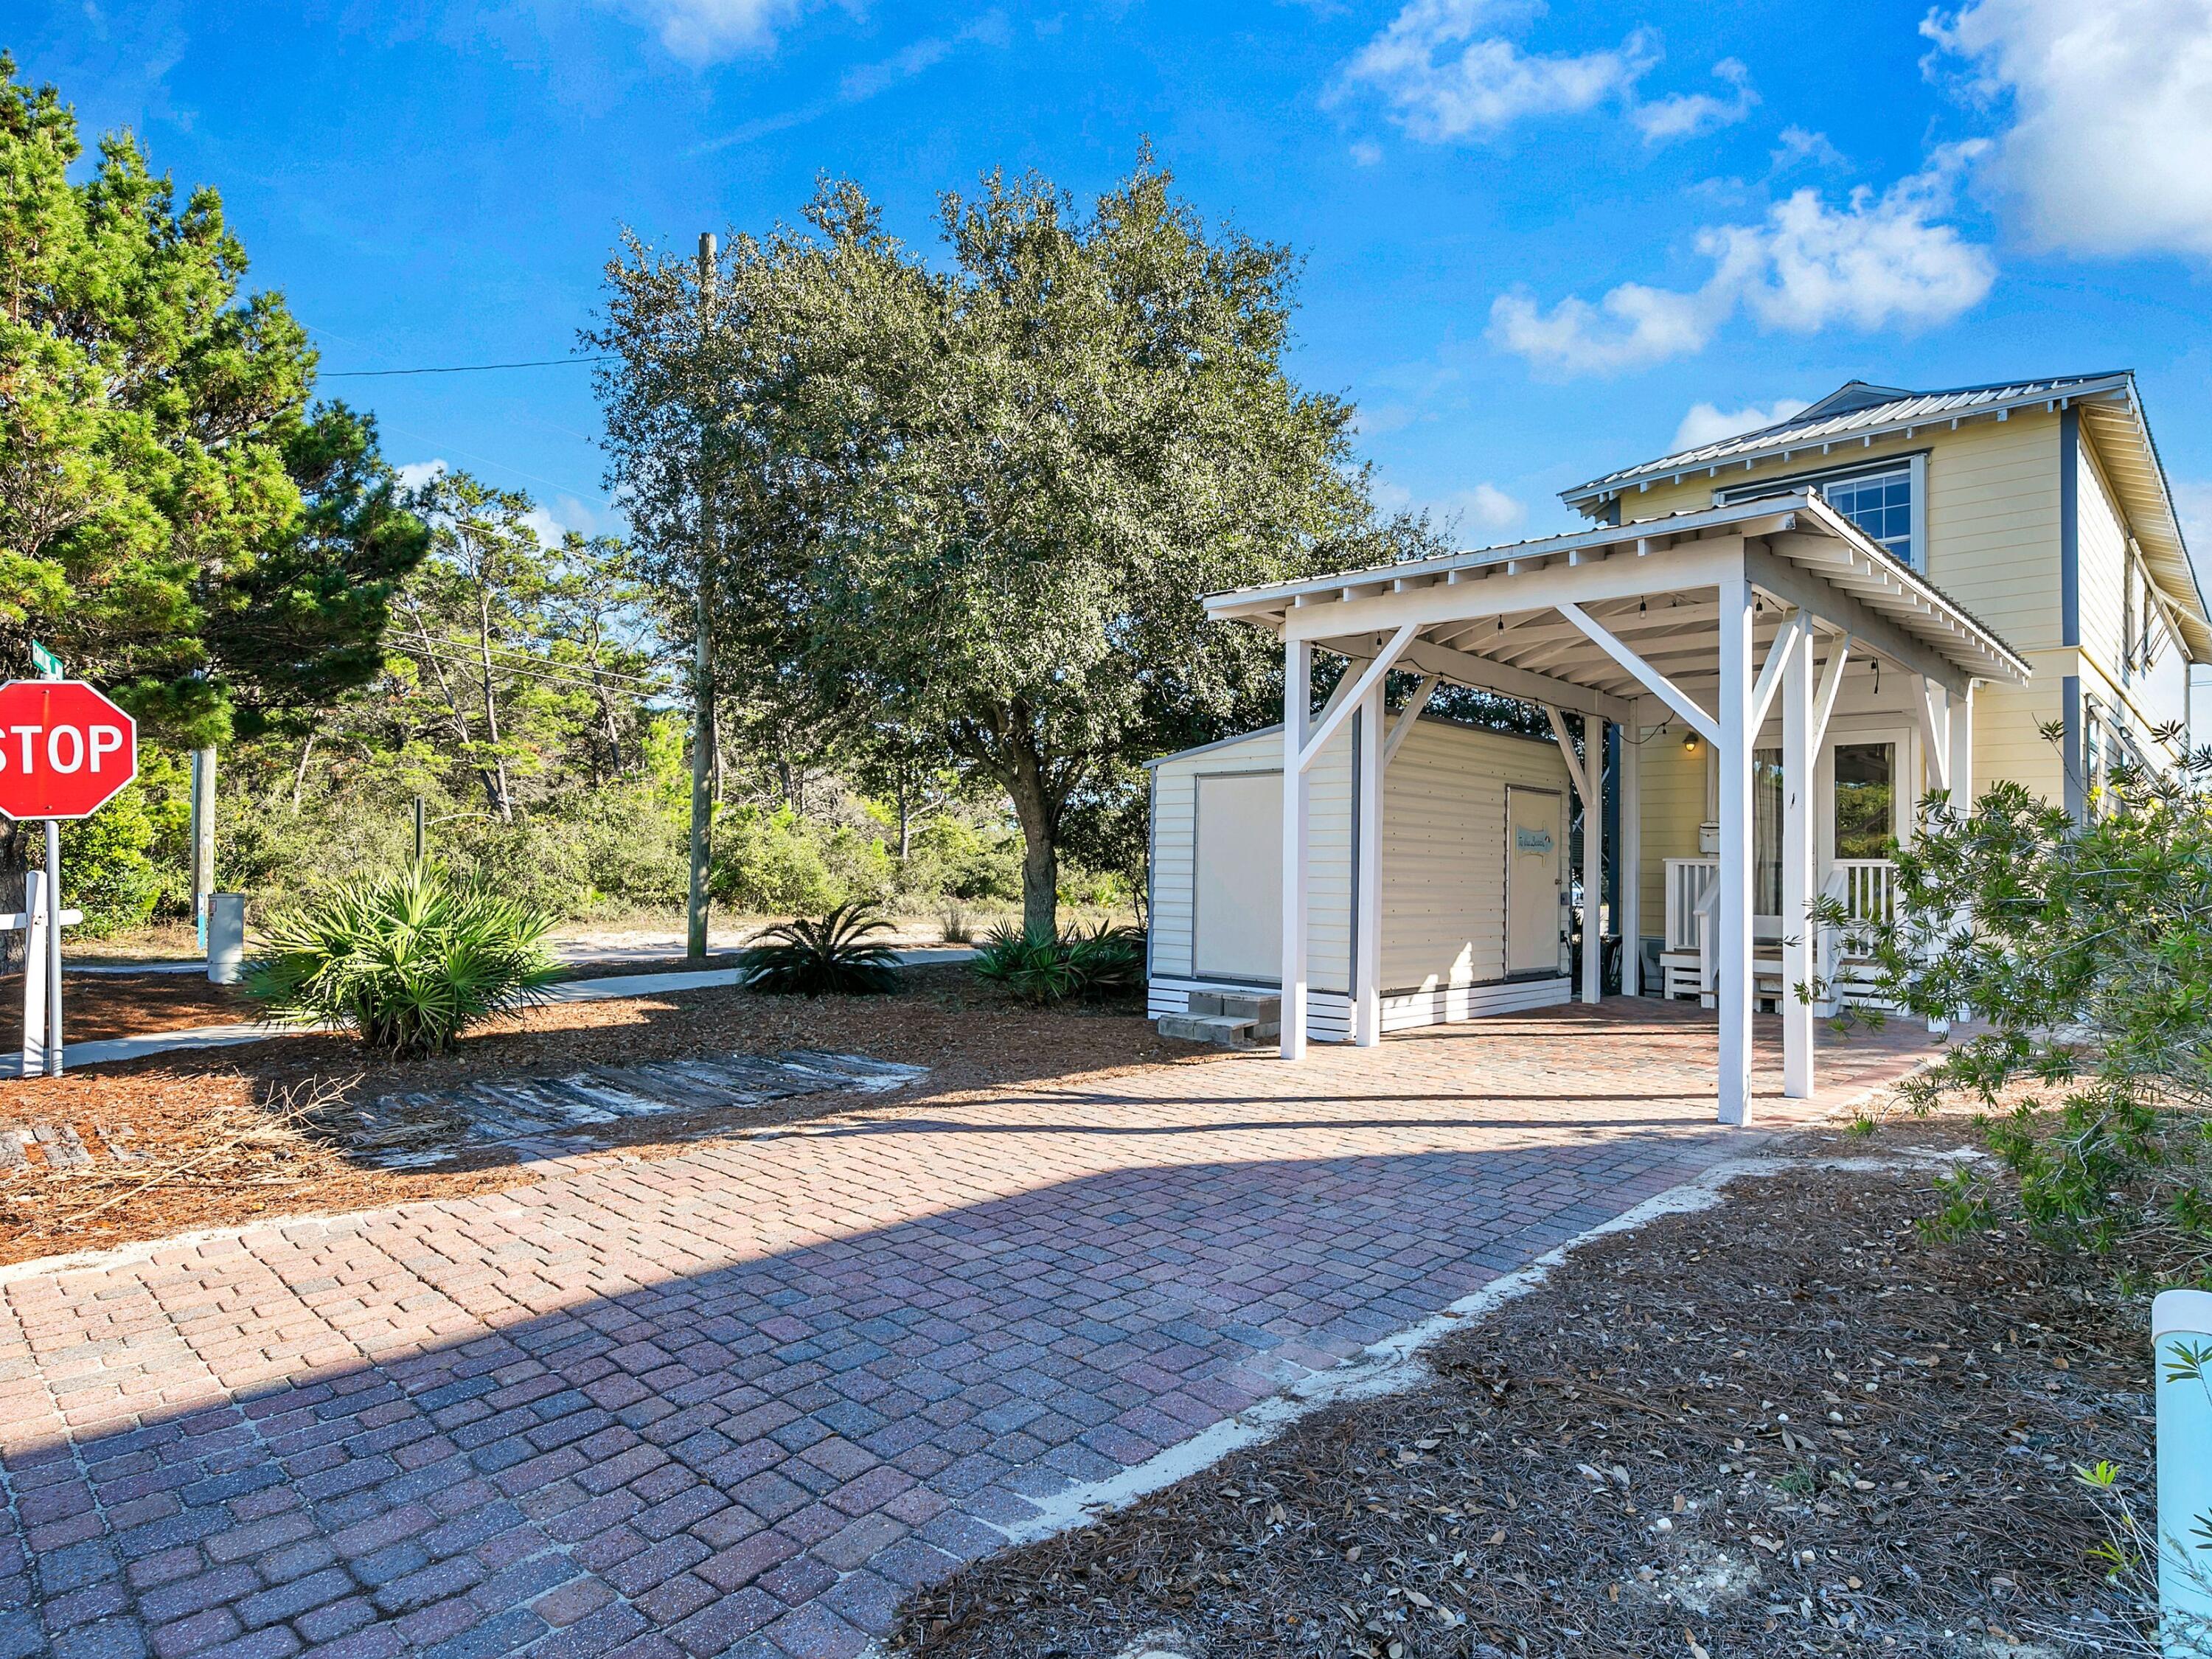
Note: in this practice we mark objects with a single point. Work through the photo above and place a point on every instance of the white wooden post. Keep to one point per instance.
(1593, 858)
(1731, 953)
(1630, 925)
(1961, 769)
(32, 922)
(1797, 868)
(1297, 698)
(41, 921)
(1367, 948)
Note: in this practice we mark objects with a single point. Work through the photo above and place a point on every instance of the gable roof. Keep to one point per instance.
(1857, 413)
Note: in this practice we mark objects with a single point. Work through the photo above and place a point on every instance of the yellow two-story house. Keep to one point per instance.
(1754, 663)
(2039, 507)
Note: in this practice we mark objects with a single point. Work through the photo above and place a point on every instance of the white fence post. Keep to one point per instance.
(2181, 1354)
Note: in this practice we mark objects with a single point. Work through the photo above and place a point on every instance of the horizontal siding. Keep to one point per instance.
(1993, 523)
(1992, 515)
(2102, 548)
(1448, 1004)
(1328, 872)
(1671, 783)
(2009, 743)
(1444, 851)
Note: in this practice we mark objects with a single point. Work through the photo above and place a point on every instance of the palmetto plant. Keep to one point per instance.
(826, 956)
(410, 961)
(1108, 961)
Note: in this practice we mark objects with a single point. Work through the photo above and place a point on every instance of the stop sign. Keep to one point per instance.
(65, 748)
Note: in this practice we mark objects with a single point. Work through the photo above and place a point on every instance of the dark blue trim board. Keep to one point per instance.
(2069, 530)
(2073, 757)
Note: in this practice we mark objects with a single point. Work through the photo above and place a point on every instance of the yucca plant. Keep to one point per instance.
(825, 955)
(410, 961)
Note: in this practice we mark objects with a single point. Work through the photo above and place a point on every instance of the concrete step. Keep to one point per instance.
(1236, 1004)
(1222, 1031)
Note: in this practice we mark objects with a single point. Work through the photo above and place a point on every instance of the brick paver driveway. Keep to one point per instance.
(742, 1398)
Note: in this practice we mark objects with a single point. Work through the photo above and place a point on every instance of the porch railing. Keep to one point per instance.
(1866, 888)
(1688, 881)
(1869, 890)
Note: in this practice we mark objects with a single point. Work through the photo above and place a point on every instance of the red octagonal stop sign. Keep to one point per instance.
(65, 748)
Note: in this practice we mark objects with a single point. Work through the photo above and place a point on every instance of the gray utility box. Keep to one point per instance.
(226, 937)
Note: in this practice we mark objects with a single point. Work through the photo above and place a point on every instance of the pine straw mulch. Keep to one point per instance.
(97, 1006)
(226, 1136)
(1790, 1424)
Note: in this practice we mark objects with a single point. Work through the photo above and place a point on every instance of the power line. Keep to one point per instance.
(457, 368)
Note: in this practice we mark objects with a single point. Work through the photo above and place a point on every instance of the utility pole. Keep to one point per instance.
(203, 837)
(702, 689)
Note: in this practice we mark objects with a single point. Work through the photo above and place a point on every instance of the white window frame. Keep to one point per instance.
(1914, 465)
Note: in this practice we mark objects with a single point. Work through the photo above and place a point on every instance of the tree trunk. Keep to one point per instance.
(300, 773)
(502, 801)
(906, 822)
(14, 864)
(1040, 852)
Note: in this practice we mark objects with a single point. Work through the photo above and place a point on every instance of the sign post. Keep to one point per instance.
(65, 751)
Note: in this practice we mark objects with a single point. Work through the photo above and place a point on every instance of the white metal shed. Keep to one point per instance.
(1473, 877)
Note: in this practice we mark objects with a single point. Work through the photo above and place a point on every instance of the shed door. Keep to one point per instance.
(1237, 907)
(1535, 857)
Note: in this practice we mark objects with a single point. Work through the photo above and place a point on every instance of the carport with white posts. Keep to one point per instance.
(1719, 621)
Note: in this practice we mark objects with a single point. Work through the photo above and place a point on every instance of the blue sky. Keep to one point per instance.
(1538, 243)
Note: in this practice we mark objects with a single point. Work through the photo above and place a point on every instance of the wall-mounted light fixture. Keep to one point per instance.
(1689, 743)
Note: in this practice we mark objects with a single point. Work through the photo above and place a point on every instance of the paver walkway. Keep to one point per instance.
(742, 1398)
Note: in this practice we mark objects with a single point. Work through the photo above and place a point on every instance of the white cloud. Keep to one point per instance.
(1366, 152)
(1686, 114)
(704, 31)
(1444, 79)
(1799, 145)
(2109, 146)
(413, 475)
(1632, 326)
(1484, 506)
(866, 81)
(1875, 261)
(1448, 72)
(1708, 423)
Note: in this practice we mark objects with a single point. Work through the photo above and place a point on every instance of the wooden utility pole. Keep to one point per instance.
(203, 827)
(702, 690)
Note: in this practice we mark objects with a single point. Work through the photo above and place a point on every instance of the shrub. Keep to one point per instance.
(830, 956)
(410, 961)
(1105, 962)
(773, 860)
(105, 871)
(954, 859)
(2087, 950)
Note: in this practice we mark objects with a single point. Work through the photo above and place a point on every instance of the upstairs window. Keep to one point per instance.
(1884, 500)
(1880, 504)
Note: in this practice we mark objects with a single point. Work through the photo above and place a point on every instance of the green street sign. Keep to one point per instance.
(48, 665)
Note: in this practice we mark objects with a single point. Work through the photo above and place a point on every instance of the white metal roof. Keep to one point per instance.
(1856, 414)
(1801, 528)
